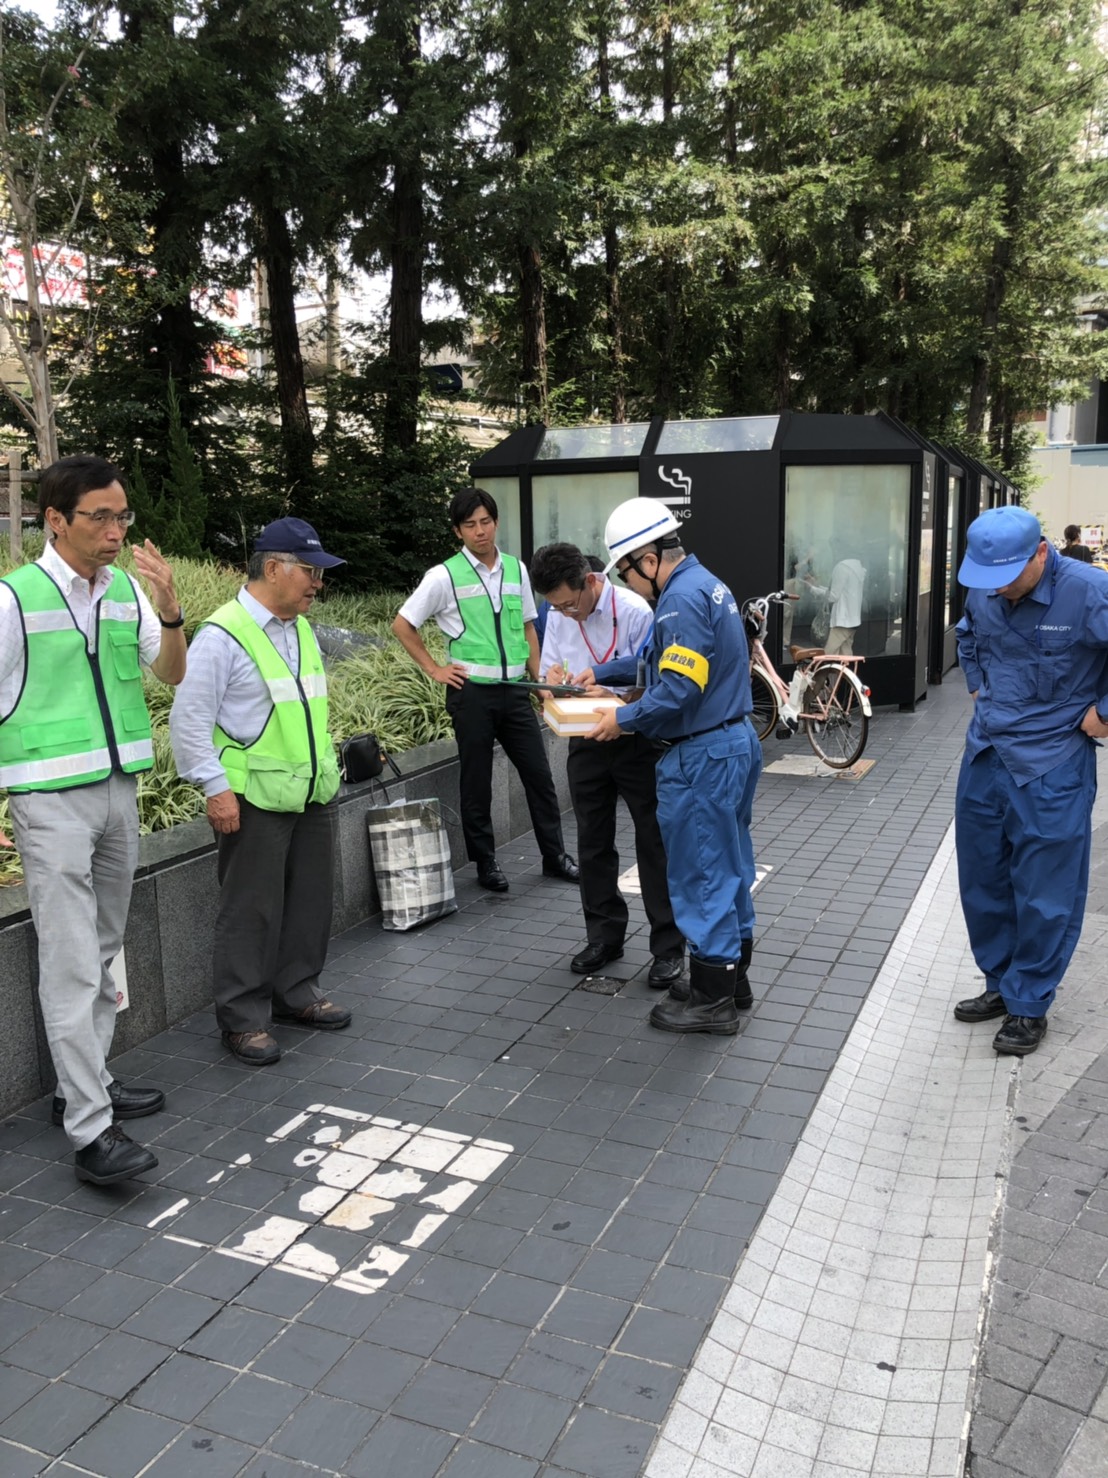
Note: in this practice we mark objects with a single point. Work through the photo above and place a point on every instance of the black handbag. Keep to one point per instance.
(362, 758)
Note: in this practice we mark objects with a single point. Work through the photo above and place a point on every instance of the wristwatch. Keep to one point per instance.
(172, 625)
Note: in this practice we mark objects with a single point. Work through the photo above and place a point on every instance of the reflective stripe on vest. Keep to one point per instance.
(292, 761)
(81, 714)
(493, 645)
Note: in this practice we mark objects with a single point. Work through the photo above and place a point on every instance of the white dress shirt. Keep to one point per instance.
(223, 686)
(82, 601)
(434, 600)
(848, 580)
(617, 626)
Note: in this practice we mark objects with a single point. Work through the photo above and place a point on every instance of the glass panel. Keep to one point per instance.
(740, 434)
(505, 490)
(846, 553)
(953, 499)
(570, 443)
(573, 507)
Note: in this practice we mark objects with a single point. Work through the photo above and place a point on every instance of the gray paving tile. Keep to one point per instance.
(632, 1387)
(53, 1345)
(412, 1325)
(234, 1336)
(445, 1397)
(301, 1355)
(182, 1387)
(516, 1299)
(604, 1446)
(194, 1452)
(251, 1408)
(475, 1460)
(561, 1367)
(55, 1418)
(522, 1421)
(117, 1364)
(324, 1431)
(17, 1462)
(124, 1442)
(397, 1446)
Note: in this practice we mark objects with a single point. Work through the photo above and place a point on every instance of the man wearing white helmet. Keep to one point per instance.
(697, 704)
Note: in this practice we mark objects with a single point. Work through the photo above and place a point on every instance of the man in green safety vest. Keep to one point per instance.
(74, 735)
(249, 726)
(481, 601)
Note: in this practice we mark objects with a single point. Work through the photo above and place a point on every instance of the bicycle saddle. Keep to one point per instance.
(804, 654)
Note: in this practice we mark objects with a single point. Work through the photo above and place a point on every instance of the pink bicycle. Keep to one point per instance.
(826, 694)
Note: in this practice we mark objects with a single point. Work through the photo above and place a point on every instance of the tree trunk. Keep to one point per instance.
(297, 437)
(611, 247)
(401, 428)
(534, 385)
(665, 394)
(996, 284)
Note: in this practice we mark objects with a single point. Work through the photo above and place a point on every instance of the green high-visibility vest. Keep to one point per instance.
(81, 714)
(292, 761)
(493, 645)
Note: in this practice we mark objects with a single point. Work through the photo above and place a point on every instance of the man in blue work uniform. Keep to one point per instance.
(1033, 645)
(696, 671)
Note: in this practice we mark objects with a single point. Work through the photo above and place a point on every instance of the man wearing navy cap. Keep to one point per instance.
(249, 725)
(1033, 644)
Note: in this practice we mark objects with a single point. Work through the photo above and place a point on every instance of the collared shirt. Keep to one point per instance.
(617, 626)
(434, 598)
(1036, 666)
(223, 686)
(82, 602)
(848, 580)
(698, 661)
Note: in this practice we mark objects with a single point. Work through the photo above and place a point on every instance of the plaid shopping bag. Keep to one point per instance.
(411, 862)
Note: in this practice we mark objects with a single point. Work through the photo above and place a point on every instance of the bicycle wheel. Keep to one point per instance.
(764, 713)
(839, 738)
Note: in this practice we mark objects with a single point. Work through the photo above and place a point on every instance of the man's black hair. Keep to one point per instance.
(464, 504)
(64, 483)
(555, 565)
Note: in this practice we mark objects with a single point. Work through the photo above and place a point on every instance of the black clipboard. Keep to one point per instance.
(558, 690)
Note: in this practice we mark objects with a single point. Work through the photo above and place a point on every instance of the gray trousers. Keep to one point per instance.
(276, 877)
(79, 849)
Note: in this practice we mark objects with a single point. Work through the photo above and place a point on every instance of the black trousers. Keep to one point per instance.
(481, 714)
(599, 774)
(276, 880)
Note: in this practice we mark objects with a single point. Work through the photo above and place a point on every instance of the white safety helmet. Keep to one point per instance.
(637, 522)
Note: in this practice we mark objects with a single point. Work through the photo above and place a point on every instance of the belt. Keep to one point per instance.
(696, 734)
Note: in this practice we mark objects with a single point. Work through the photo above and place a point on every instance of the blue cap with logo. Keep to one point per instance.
(294, 536)
(998, 546)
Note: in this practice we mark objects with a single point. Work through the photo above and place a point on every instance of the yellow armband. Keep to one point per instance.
(688, 663)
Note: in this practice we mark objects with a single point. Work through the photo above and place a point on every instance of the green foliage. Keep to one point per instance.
(381, 690)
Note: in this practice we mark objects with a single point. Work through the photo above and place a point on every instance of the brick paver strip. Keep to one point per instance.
(485, 1230)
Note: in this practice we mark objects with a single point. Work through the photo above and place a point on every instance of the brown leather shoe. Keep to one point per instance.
(255, 1048)
(325, 1016)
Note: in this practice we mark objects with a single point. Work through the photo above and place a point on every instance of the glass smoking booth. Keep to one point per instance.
(839, 510)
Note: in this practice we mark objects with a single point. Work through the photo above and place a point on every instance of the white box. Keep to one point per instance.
(569, 716)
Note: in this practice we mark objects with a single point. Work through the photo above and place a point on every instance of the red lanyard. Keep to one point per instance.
(596, 657)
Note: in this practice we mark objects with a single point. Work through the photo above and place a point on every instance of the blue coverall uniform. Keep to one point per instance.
(697, 702)
(1028, 778)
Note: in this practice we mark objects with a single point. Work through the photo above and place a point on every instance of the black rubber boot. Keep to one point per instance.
(744, 996)
(744, 999)
(710, 1006)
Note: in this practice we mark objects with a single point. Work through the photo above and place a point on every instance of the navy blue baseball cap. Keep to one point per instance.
(998, 546)
(294, 536)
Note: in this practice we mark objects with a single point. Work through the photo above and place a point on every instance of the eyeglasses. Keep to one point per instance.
(565, 607)
(313, 570)
(104, 516)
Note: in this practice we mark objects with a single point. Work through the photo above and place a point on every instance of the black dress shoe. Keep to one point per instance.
(562, 867)
(985, 1007)
(594, 956)
(1019, 1035)
(490, 876)
(665, 970)
(127, 1103)
(112, 1156)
